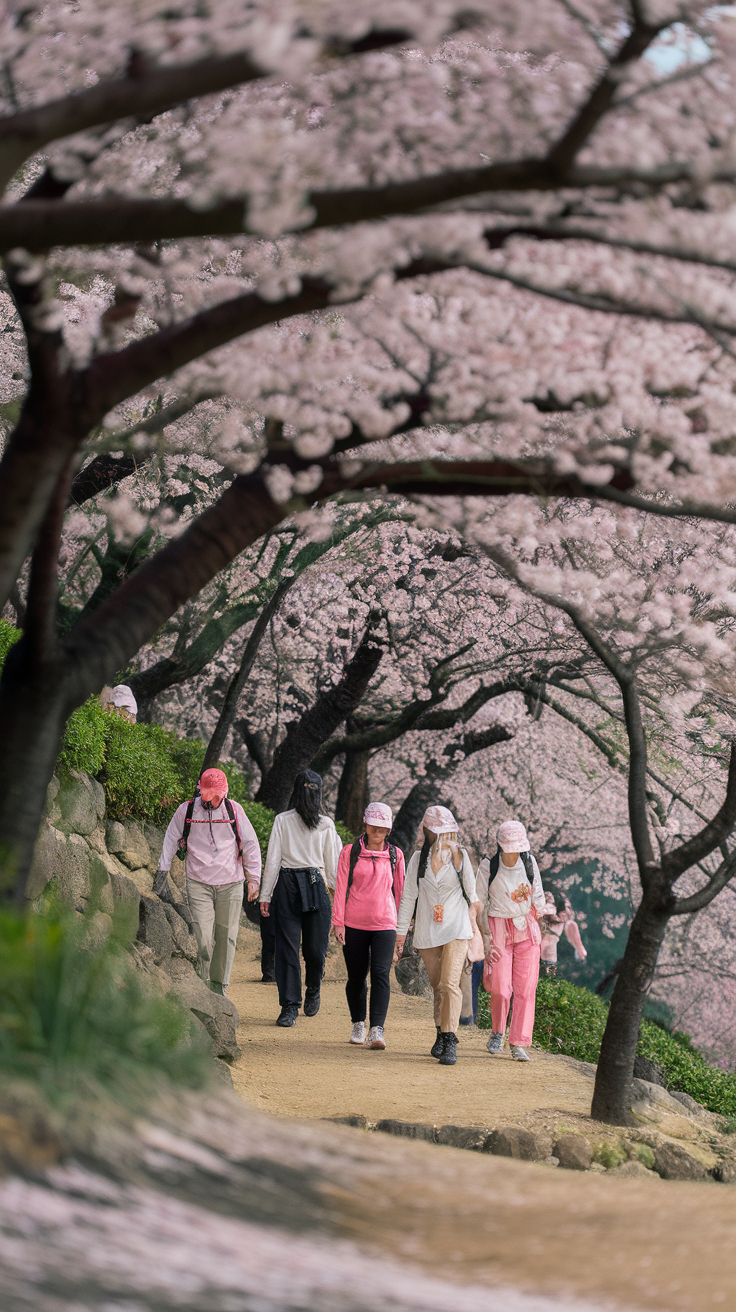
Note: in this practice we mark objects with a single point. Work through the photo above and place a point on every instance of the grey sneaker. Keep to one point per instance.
(358, 1034)
(495, 1044)
(375, 1037)
(519, 1054)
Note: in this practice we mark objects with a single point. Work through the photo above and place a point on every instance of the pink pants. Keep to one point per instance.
(517, 972)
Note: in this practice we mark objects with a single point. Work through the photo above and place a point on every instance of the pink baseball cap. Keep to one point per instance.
(512, 837)
(379, 814)
(438, 820)
(213, 784)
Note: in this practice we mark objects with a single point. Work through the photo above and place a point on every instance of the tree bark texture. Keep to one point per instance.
(305, 736)
(612, 1093)
(352, 791)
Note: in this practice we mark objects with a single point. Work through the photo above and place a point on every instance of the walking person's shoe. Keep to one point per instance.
(495, 1043)
(288, 1015)
(467, 1020)
(358, 1034)
(375, 1037)
(268, 979)
(311, 1002)
(436, 1049)
(518, 1053)
(448, 1056)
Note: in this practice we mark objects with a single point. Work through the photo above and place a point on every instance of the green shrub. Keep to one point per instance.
(73, 1013)
(8, 636)
(261, 818)
(571, 1020)
(344, 832)
(84, 743)
(139, 775)
(609, 1153)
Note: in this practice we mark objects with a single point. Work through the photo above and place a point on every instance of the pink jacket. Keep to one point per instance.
(372, 903)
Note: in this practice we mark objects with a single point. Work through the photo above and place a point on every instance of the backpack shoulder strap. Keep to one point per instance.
(392, 858)
(526, 858)
(354, 854)
(494, 862)
(181, 847)
(234, 823)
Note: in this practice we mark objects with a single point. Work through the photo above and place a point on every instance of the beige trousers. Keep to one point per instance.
(444, 967)
(215, 911)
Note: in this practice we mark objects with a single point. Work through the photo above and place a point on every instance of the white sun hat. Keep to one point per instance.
(438, 820)
(512, 837)
(379, 814)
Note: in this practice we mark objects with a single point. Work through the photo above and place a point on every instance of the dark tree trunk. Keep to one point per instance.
(612, 1093)
(305, 736)
(409, 815)
(352, 791)
(33, 711)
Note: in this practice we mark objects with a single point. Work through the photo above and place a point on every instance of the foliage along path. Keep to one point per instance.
(312, 1071)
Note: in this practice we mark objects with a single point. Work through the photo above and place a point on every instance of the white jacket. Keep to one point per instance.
(443, 890)
(296, 847)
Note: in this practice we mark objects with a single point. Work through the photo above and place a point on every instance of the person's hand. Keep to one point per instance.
(160, 881)
(339, 933)
(265, 908)
(400, 941)
(493, 955)
(252, 890)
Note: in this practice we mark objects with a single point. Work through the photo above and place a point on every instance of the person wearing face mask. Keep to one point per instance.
(515, 903)
(368, 888)
(439, 894)
(216, 839)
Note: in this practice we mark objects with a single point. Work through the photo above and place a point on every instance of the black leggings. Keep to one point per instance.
(366, 948)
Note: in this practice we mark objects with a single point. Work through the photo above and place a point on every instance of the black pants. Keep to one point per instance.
(268, 945)
(368, 949)
(293, 925)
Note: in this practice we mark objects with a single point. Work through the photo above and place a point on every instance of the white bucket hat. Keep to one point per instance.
(379, 814)
(512, 837)
(438, 820)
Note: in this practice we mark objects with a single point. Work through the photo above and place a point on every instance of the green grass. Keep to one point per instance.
(571, 1020)
(74, 1014)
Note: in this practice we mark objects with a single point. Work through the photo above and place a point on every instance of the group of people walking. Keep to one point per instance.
(499, 916)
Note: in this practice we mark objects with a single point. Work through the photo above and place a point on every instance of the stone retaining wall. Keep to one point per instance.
(104, 869)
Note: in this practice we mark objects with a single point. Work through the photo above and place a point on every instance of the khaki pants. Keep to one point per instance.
(215, 911)
(444, 967)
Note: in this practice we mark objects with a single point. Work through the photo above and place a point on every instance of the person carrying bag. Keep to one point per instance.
(439, 894)
(515, 903)
(370, 881)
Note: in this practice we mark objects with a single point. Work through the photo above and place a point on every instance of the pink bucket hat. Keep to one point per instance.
(377, 813)
(512, 837)
(438, 820)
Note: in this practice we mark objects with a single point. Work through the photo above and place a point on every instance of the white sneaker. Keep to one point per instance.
(358, 1034)
(375, 1038)
(519, 1054)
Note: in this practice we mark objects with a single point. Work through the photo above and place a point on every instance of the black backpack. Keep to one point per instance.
(526, 858)
(355, 853)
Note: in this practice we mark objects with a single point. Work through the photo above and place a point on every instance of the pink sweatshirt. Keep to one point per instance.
(372, 904)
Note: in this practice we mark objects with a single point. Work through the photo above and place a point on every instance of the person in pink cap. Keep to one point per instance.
(368, 888)
(216, 839)
(515, 903)
(439, 895)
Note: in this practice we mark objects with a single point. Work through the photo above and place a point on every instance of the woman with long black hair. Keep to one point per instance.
(302, 856)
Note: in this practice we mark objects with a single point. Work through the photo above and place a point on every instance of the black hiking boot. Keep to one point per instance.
(288, 1015)
(436, 1049)
(311, 1002)
(448, 1056)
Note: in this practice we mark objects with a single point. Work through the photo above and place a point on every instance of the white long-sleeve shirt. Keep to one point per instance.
(441, 889)
(296, 847)
(510, 896)
(212, 852)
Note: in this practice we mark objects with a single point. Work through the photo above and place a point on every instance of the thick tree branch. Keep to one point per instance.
(145, 90)
(601, 98)
(697, 901)
(714, 833)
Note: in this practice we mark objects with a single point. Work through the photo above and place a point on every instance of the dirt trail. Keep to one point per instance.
(312, 1071)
